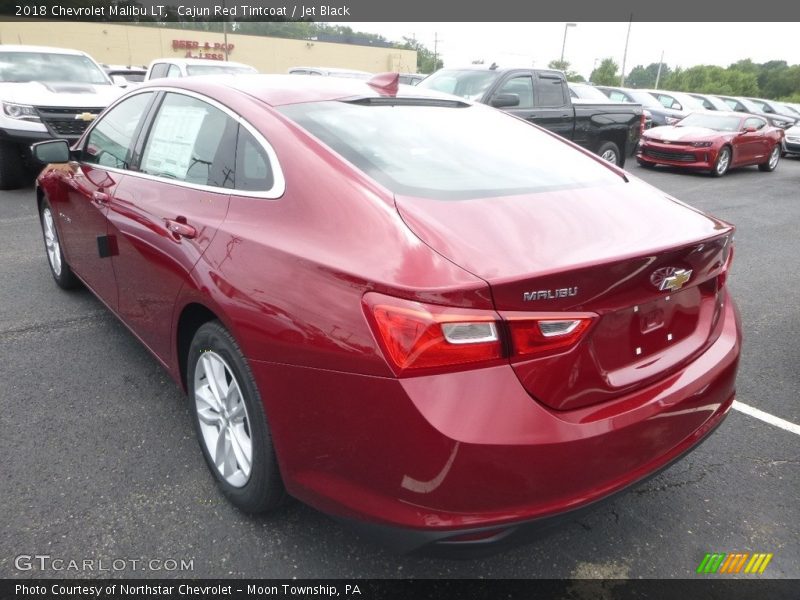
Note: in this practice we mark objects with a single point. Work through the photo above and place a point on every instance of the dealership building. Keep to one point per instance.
(116, 43)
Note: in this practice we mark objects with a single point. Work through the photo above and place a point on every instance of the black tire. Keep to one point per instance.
(772, 162)
(723, 162)
(13, 173)
(263, 488)
(59, 268)
(610, 151)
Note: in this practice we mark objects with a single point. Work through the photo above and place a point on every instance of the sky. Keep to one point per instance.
(536, 44)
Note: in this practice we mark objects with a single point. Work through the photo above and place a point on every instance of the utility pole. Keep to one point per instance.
(435, 50)
(225, 29)
(625, 54)
(658, 73)
(564, 43)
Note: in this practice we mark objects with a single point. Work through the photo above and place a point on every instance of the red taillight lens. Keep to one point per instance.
(418, 336)
(546, 333)
(722, 278)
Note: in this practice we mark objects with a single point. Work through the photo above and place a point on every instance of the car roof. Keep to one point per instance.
(279, 90)
(198, 61)
(44, 49)
(330, 70)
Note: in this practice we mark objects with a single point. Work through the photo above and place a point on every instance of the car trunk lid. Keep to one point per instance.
(604, 250)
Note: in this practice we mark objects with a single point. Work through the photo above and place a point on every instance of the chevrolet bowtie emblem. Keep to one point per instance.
(670, 278)
(85, 116)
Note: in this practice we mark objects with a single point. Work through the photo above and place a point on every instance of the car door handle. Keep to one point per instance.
(179, 228)
(100, 197)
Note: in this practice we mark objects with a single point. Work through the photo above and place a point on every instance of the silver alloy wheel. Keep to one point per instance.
(773, 158)
(51, 241)
(610, 156)
(723, 160)
(223, 418)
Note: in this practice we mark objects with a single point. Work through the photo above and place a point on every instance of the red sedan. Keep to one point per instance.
(407, 310)
(714, 142)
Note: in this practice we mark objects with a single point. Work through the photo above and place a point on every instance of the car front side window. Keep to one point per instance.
(110, 141)
(191, 141)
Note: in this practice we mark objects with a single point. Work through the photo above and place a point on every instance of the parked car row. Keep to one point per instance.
(708, 132)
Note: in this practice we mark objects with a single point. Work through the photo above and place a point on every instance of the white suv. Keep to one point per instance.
(45, 93)
(188, 67)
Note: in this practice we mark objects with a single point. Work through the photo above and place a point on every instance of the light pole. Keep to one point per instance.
(564, 43)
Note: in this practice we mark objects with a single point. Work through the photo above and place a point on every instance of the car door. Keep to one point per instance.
(750, 145)
(104, 162)
(165, 215)
(552, 105)
(520, 86)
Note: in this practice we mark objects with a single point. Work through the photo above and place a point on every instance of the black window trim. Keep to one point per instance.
(278, 181)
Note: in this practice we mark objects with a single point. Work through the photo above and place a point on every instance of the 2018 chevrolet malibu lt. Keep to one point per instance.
(444, 337)
(714, 142)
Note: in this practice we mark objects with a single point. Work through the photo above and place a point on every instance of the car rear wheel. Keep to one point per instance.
(722, 163)
(772, 161)
(59, 268)
(610, 152)
(230, 422)
(12, 168)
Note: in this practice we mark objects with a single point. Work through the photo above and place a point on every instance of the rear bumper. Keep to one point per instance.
(428, 458)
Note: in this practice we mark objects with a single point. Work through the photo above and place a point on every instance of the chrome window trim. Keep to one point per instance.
(278, 181)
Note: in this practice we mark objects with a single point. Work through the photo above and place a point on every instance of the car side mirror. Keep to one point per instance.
(505, 100)
(119, 80)
(677, 106)
(51, 151)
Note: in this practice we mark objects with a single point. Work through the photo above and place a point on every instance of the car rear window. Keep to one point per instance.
(450, 151)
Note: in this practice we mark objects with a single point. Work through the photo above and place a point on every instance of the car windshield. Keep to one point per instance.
(785, 109)
(688, 102)
(192, 70)
(645, 99)
(587, 92)
(465, 152)
(468, 84)
(22, 67)
(710, 121)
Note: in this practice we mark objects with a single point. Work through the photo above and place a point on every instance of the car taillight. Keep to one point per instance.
(546, 333)
(727, 260)
(414, 335)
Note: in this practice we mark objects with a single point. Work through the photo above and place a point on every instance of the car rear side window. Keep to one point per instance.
(159, 70)
(110, 141)
(550, 92)
(253, 169)
(447, 152)
(191, 141)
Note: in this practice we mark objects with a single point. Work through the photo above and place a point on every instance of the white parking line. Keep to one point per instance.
(766, 417)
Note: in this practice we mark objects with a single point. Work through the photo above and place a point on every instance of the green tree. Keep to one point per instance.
(606, 73)
(645, 77)
(426, 62)
(563, 65)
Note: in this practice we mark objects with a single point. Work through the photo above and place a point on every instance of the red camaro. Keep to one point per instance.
(407, 310)
(714, 142)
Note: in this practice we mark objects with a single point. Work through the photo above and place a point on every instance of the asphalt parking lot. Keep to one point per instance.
(100, 459)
